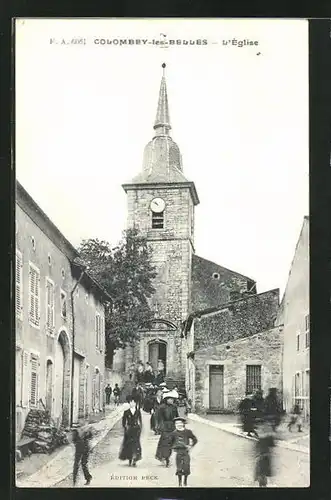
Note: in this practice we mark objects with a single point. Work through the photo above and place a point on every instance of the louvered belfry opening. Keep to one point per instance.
(157, 220)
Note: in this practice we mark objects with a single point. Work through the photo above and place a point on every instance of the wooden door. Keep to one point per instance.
(216, 387)
(153, 354)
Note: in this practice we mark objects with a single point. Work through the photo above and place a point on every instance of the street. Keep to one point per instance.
(219, 460)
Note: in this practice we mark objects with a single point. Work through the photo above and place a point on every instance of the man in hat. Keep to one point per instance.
(166, 414)
(182, 441)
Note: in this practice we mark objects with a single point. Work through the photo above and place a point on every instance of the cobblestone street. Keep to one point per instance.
(220, 459)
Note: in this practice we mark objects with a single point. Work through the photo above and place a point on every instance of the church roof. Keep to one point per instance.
(162, 161)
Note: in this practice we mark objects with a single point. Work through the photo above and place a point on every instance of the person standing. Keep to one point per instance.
(182, 441)
(148, 375)
(81, 440)
(108, 392)
(132, 424)
(117, 393)
(295, 418)
(155, 411)
(272, 408)
(138, 395)
(140, 373)
(247, 411)
(167, 413)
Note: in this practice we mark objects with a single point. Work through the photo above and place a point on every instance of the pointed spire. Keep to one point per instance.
(162, 121)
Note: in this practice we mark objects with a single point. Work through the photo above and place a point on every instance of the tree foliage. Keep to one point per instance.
(126, 273)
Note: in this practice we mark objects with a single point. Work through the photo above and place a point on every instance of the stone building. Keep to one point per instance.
(294, 315)
(233, 349)
(161, 204)
(60, 344)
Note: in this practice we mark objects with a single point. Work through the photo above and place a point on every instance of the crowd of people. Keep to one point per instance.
(163, 405)
(260, 417)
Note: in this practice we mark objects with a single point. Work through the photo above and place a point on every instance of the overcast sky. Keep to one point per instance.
(84, 114)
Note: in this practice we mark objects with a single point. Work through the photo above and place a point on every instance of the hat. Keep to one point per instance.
(180, 419)
(163, 384)
(171, 394)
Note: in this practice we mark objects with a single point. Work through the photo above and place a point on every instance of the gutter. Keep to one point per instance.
(73, 343)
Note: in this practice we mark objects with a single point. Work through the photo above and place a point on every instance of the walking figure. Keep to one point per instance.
(108, 392)
(117, 393)
(132, 423)
(166, 414)
(247, 411)
(81, 440)
(182, 441)
(264, 453)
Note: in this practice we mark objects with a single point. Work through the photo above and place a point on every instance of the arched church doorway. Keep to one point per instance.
(62, 379)
(49, 386)
(157, 351)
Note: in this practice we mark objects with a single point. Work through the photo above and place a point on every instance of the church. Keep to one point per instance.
(161, 204)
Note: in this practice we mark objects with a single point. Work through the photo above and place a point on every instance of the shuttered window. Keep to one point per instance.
(26, 380)
(253, 378)
(19, 285)
(63, 299)
(97, 330)
(34, 295)
(157, 220)
(50, 293)
(34, 381)
(307, 330)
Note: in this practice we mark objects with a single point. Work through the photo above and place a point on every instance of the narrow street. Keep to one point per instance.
(219, 459)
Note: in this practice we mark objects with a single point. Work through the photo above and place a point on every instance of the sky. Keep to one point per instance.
(239, 113)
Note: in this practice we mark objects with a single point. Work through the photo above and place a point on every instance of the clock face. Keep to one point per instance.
(157, 205)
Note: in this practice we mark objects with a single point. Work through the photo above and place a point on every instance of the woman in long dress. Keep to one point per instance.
(166, 414)
(132, 423)
(155, 412)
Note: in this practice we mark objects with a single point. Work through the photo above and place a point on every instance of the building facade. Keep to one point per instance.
(294, 316)
(161, 205)
(60, 342)
(233, 350)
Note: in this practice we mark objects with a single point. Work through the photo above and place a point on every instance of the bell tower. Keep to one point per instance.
(161, 203)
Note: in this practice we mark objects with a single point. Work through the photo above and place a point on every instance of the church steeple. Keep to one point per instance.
(162, 120)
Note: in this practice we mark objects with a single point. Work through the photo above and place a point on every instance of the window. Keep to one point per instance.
(19, 284)
(26, 379)
(307, 384)
(63, 299)
(63, 273)
(298, 341)
(97, 330)
(33, 241)
(253, 378)
(307, 330)
(157, 220)
(297, 385)
(34, 289)
(50, 320)
(216, 276)
(34, 381)
(49, 258)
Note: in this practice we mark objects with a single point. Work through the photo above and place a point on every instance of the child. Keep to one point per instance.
(182, 440)
(295, 418)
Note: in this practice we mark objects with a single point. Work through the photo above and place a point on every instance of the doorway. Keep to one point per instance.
(77, 365)
(49, 386)
(157, 349)
(59, 381)
(216, 387)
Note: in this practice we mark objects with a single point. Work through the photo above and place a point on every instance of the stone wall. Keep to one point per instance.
(213, 285)
(264, 348)
(242, 318)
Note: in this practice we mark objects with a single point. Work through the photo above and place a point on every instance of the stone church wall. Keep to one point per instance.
(242, 318)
